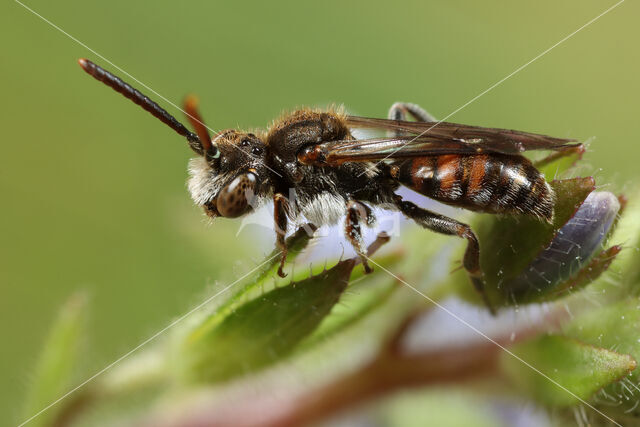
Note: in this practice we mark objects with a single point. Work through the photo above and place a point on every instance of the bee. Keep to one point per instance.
(310, 165)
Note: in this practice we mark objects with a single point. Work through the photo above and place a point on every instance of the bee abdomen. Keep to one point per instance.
(491, 183)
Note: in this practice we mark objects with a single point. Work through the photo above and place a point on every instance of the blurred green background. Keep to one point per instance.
(93, 193)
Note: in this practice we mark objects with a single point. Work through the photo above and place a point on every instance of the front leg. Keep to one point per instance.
(357, 212)
(445, 225)
(280, 217)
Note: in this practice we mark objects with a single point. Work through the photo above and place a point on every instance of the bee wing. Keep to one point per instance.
(374, 149)
(455, 136)
(402, 147)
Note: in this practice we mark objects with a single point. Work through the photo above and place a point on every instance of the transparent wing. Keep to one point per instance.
(429, 136)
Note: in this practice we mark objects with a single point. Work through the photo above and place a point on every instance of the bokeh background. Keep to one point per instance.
(93, 189)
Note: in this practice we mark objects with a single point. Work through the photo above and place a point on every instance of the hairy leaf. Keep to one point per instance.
(572, 370)
(615, 326)
(265, 329)
(362, 301)
(295, 244)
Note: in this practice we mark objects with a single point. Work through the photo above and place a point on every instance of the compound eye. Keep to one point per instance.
(236, 198)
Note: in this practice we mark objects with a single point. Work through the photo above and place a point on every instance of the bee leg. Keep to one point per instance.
(446, 225)
(280, 217)
(578, 149)
(400, 110)
(357, 212)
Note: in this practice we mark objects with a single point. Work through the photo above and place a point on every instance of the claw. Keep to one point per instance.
(281, 273)
(283, 259)
(367, 268)
(478, 283)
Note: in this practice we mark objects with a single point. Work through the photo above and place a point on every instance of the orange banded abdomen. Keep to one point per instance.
(492, 183)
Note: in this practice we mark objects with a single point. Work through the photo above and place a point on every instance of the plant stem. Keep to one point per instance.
(388, 372)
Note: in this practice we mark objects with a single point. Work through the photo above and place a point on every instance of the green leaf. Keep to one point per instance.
(57, 363)
(263, 330)
(580, 369)
(615, 326)
(295, 244)
(363, 298)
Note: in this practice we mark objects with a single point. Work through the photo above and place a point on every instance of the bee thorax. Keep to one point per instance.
(322, 209)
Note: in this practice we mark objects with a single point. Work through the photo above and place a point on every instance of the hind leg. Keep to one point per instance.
(577, 150)
(399, 111)
(445, 225)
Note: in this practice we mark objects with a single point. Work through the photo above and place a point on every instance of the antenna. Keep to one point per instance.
(117, 84)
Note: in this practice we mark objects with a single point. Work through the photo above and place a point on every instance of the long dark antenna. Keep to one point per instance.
(117, 84)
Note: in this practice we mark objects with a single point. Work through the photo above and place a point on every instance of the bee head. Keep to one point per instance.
(232, 150)
(230, 179)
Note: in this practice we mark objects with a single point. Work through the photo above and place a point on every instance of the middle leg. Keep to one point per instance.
(280, 216)
(356, 213)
